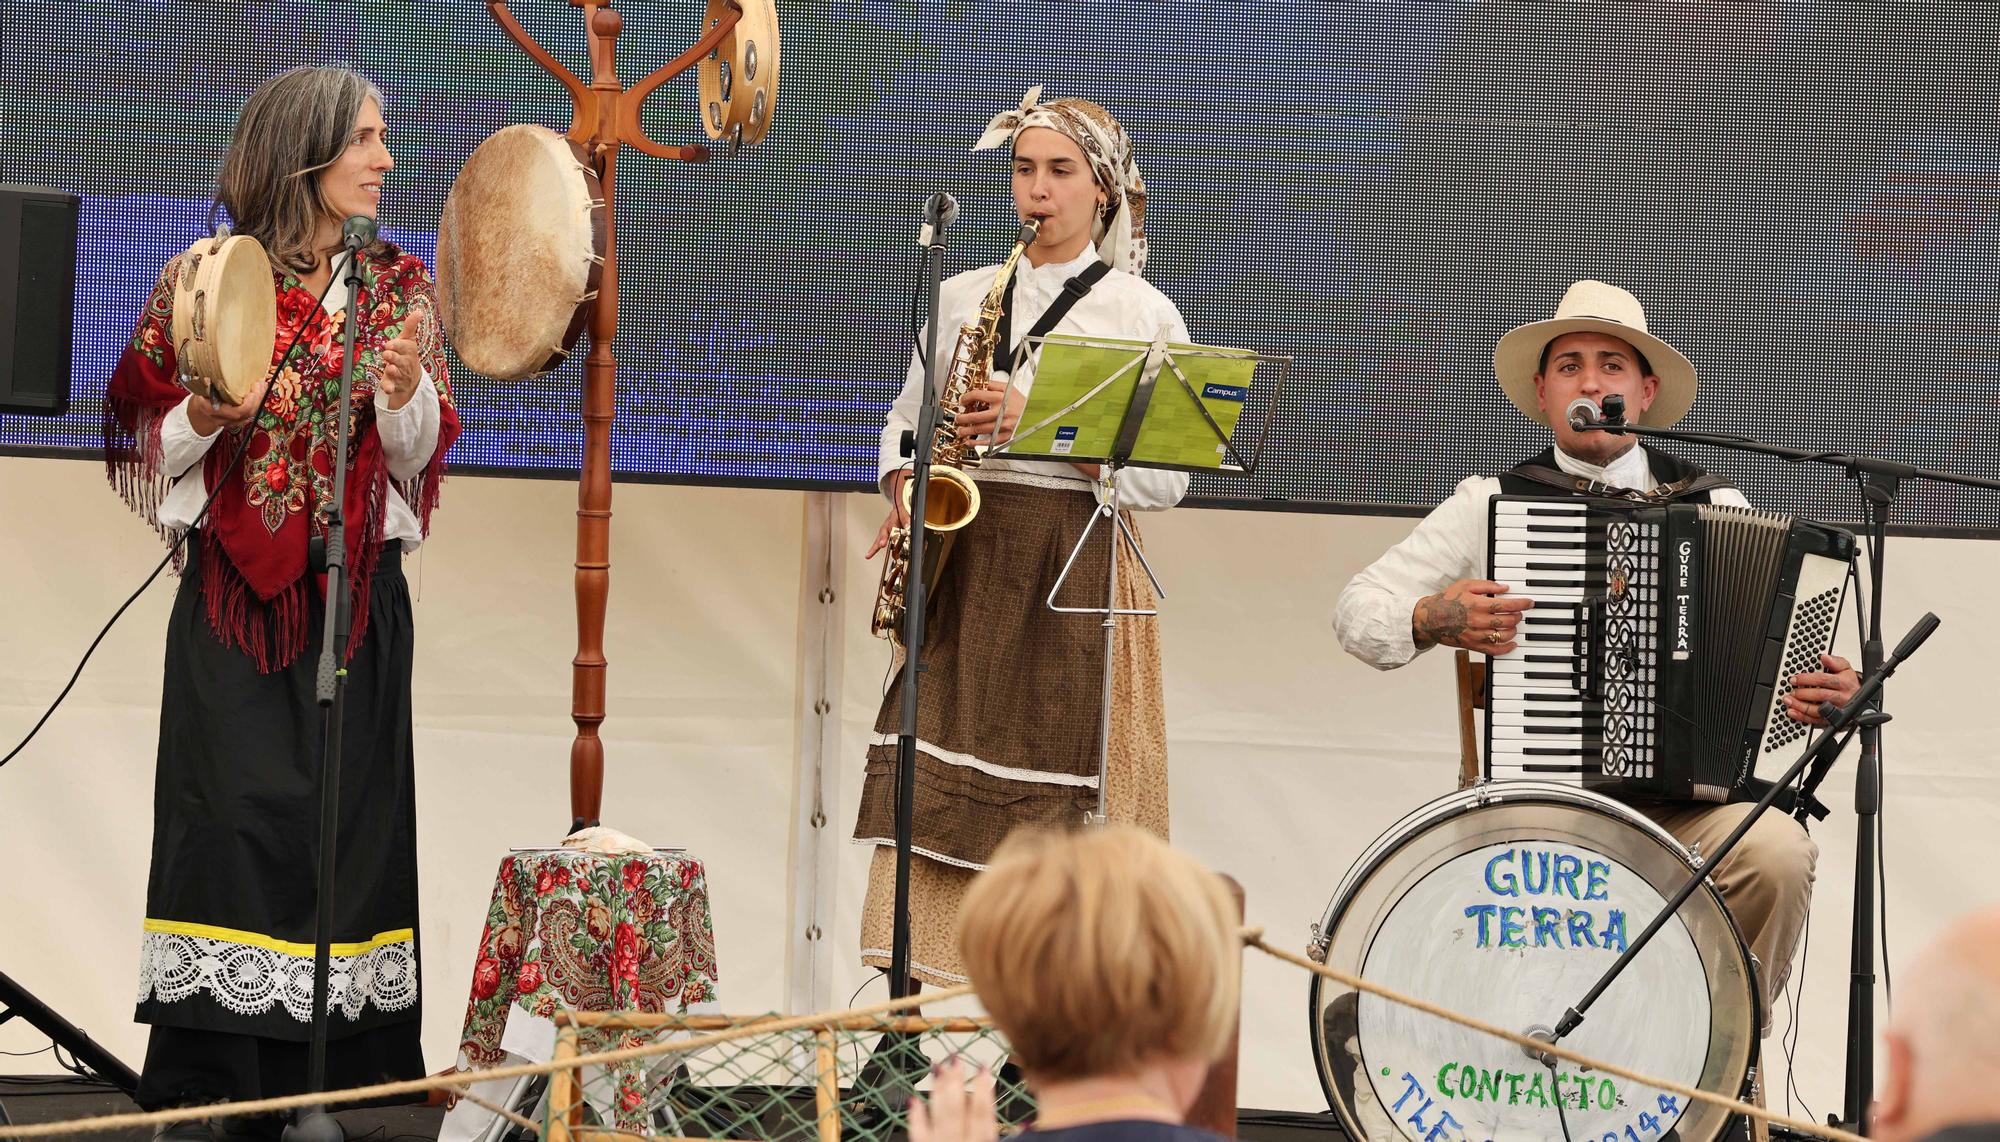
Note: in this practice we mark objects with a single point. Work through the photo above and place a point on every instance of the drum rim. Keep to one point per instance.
(1432, 814)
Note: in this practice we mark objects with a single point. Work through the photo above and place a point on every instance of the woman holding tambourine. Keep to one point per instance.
(228, 947)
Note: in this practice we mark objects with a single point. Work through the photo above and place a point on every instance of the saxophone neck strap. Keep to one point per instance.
(1073, 291)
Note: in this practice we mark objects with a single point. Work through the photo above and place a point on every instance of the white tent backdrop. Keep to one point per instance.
(1288, 756)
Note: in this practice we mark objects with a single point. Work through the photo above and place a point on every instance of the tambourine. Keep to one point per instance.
(225, 324)
(739, 79)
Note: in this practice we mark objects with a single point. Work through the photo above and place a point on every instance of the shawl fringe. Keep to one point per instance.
(133, 462)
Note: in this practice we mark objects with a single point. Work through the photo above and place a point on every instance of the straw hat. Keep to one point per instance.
(1595, 307)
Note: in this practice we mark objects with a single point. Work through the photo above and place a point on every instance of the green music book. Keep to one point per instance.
(1084, 387)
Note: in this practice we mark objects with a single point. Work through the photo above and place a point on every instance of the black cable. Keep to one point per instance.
(1557, 1096)
(174, 548)
(1859, 595)
(856, 1041)
(1882, 897)
(1795, 987)
(1875, 549)
(1881, 841)
(71, 1064)
(916, 318)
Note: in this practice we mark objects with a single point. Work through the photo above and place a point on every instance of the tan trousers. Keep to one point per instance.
(1766, 880)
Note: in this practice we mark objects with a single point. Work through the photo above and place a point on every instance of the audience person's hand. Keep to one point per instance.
(957, 1111)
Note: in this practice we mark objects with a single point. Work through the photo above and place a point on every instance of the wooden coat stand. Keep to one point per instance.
(606, 118)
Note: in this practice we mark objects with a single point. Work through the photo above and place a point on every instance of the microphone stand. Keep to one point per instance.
(1879, 481)
(937, 214)
(313, 1123)
(1849, 718)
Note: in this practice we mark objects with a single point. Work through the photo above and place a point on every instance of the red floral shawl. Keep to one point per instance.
(254, 573)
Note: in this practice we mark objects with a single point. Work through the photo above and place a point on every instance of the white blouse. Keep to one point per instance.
(1120, 305)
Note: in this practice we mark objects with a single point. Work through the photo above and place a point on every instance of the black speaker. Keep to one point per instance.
(37, 297)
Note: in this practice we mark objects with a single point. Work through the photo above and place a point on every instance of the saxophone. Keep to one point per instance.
(951, 498)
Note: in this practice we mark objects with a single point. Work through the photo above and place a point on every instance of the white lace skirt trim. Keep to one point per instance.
(915, 965)
(249, 980)
(890, 843)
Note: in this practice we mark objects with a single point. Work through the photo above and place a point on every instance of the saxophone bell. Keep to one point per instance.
(951, 499)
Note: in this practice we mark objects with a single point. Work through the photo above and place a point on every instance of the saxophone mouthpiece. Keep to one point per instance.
(1029, 228)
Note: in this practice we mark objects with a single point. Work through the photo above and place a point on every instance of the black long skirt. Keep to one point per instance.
(226, 969)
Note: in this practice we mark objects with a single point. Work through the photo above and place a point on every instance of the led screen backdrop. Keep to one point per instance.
(1807, 196)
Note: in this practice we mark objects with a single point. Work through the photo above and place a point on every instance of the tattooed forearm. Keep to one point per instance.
(1439, 619)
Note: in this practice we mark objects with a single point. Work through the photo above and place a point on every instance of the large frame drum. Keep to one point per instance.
(1506, 902)
(520, 253)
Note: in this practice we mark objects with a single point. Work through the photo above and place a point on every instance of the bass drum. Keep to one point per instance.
(1505, 902)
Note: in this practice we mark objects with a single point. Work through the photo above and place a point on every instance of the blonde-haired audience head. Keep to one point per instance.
(1942, 1075)
(1111, 964)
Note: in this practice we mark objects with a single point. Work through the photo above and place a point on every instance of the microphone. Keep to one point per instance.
(1614, 409)
(1582, 413)
(357, 232)
(940, 211)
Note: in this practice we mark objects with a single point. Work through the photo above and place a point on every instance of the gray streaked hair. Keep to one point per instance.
(293, 127)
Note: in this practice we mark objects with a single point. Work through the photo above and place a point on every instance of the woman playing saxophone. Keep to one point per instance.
(1008, 710)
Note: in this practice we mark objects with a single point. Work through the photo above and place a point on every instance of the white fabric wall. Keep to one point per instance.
(1288, 757)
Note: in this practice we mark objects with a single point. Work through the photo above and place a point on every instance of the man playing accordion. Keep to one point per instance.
(1430, 590)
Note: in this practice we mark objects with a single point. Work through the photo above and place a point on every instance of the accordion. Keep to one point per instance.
(1662, 642)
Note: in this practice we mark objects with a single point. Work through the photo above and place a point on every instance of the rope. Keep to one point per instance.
(1254, 937)
(461, 1079)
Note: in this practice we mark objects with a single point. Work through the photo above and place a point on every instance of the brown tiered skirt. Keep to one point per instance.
(1008, 713)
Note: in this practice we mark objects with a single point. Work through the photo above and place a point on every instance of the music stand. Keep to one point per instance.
(1101, 400)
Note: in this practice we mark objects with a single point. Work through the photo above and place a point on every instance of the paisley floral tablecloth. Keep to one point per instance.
(580, 931)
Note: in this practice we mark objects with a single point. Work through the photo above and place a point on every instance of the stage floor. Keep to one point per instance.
(26, 1100)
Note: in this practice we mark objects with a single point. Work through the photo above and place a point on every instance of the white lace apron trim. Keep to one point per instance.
(249, 978)
(995, 769)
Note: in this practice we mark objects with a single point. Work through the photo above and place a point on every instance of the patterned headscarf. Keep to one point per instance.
(1120, 228)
